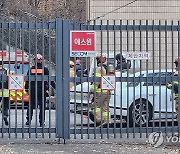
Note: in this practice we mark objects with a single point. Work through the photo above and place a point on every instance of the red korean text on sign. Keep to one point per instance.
(82, 41)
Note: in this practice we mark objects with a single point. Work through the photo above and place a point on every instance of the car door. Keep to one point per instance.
(158, 94)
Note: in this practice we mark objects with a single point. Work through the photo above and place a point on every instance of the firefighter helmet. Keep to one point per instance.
(71, 63)
(39, 56)
(101, 58)
(78, 61)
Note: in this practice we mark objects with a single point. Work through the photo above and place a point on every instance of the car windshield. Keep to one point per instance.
(158, 75)
(150, 83)
(17, 68)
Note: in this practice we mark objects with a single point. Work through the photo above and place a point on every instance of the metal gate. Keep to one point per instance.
(141, 103)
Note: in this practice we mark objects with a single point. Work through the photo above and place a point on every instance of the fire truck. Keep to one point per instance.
(16, 62)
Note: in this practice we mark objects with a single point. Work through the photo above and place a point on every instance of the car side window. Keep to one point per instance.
(134, 84)
(158, 75)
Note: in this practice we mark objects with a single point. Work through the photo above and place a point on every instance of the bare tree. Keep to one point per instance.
(2, 2)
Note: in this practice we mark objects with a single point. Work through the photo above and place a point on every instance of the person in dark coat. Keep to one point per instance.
(4, 94)
(36, 91)
(121, 63)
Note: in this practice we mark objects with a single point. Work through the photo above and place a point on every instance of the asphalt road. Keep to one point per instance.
(18, 119)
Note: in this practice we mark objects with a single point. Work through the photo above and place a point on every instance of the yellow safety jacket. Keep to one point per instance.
(4, 93)
(175, 84)
(96, 87)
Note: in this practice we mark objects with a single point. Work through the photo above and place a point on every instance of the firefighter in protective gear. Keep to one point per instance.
(100, 101)
(4, 94)
(71, 72)
(175, 85)
(36, 92)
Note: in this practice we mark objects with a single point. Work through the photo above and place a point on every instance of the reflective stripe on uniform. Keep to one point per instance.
(175, 83)
(105, 114)
(96, 89)
(96, 110)
(17, 95)
(169, 86)
(176, 97)
(98, 74)
(36, 71)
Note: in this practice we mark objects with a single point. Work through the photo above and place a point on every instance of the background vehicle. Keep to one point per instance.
(16, 62)
(138, 101)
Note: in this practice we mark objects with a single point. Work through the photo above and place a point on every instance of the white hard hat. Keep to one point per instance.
(39, 56)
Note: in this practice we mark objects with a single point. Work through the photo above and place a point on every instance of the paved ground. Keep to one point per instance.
(82, 146)
(17, 117)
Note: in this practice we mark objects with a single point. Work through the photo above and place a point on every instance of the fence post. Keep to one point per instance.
(66, 90)
(62, 80)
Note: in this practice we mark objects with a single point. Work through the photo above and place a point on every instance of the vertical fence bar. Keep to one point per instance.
(29, 78)
(94, 95)
(81, 97)
(75, 112)
(147, 67)
(172, 65)
(108, 70)
(178, 120)
(140, 79)
(88, 97)
(114, 23)
(16, 122)
(59, 71)
(153, 61)
(159, 76)
(36, 91)
(121, 100)
(166, 74)
(2, 77)
(101, 128)
(22, 42)
(42, 108)
(133, 114)
(50, 70)
(128, 120)
(9, 42)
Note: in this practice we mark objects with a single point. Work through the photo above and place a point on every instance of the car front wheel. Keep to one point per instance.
(140, 113)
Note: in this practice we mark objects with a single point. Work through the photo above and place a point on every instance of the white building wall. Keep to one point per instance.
(138, 10)
(163, 47)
